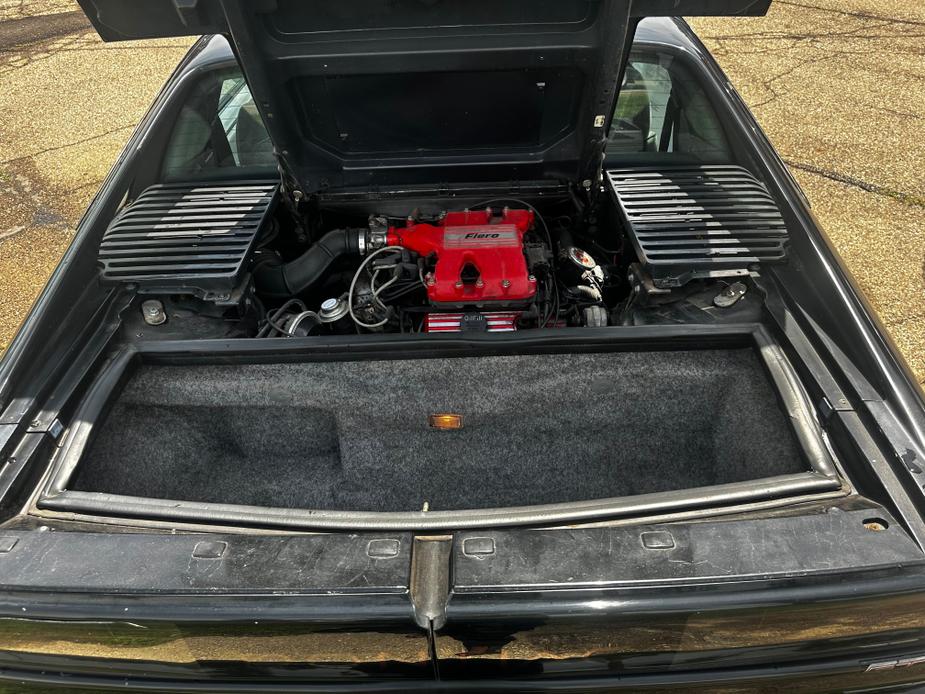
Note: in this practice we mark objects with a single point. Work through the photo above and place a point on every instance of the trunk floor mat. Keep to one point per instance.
(355, 435)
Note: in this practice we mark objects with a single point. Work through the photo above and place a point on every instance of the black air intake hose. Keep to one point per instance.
(294, 277)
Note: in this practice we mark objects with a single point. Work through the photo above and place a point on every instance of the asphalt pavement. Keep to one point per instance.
(68, 103)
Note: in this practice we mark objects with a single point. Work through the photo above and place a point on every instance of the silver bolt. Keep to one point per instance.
(153, 312)
(532, 278)
(36, 423)
(505, 283)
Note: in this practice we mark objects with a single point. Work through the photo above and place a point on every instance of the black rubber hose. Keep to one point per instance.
(565, 239)
(296, 276)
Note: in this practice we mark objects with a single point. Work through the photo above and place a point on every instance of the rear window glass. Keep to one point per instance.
(218, 128)
(663, 113)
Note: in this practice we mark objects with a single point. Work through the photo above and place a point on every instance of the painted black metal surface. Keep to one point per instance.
(831, 539)
(187, 239)
(210, 606)
(566, 609)
(688, 596)
(689, 222)
(117, 564)
(539, 80)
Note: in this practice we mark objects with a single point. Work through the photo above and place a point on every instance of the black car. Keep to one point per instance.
(449, 346)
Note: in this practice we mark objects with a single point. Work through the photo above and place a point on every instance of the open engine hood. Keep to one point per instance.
(385, 92)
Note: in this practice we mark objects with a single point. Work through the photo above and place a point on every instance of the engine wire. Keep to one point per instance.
(272, 316)
(353, 283)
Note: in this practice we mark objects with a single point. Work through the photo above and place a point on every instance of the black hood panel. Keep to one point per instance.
(378, 92)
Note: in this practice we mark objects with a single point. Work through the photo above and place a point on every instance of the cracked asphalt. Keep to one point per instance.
(838, 85)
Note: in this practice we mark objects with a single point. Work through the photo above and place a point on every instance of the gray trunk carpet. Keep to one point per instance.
(355, 435)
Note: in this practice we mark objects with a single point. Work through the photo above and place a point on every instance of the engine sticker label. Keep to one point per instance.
(482, 236)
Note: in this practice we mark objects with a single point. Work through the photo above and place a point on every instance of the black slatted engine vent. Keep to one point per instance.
(700, 221)
(187, 239)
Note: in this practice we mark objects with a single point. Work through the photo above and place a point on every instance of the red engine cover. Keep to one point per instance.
(480, 257)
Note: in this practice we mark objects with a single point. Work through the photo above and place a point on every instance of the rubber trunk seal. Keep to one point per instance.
(822, 477)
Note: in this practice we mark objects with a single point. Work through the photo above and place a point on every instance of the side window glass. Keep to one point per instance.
(663, 113)
(218, 128)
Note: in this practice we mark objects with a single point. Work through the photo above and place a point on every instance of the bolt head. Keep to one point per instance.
(505, 283)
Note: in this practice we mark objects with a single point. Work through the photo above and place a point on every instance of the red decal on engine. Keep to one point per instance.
(493, 321)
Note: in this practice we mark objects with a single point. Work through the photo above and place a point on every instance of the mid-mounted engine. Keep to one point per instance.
(478, 257)
(490, 269)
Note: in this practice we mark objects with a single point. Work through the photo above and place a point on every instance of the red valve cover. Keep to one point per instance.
(480, 257)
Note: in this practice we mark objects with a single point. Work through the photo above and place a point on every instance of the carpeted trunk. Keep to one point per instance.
(355, 435)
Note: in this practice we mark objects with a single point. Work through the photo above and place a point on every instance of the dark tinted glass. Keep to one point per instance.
(663, 113)
(218, 128)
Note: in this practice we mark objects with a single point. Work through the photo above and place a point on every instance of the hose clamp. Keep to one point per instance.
(378, 238)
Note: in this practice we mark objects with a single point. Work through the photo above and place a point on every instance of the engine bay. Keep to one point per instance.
(492, 268)
(247, 260)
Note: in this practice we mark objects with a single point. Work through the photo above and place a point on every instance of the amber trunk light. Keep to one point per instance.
(445, 421)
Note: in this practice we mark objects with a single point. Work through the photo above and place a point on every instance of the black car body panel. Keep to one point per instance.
(336, 86)
(815, 594)
(525, 608)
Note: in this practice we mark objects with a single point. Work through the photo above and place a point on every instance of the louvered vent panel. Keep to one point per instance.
(185, 238)
(698, 221)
